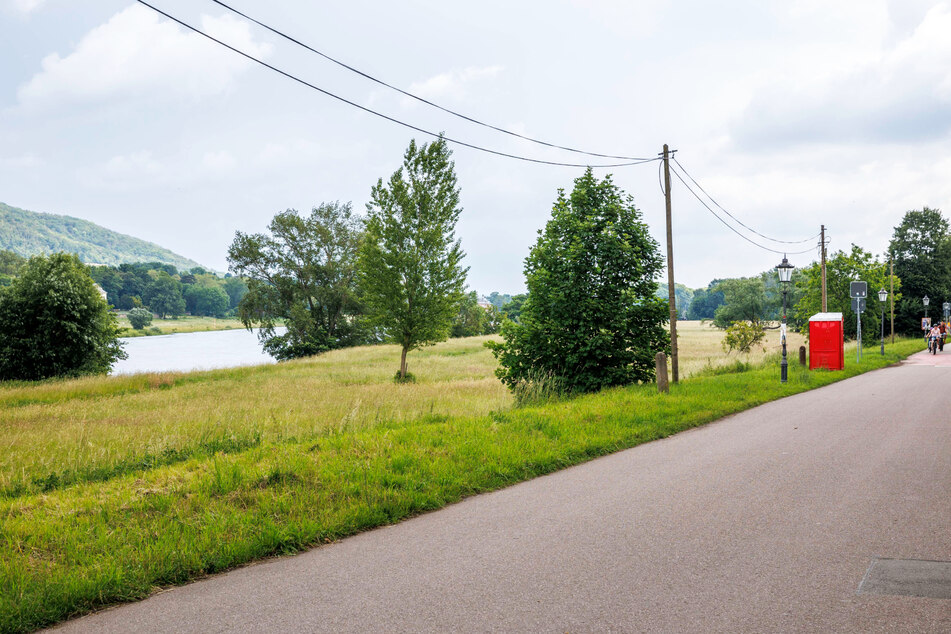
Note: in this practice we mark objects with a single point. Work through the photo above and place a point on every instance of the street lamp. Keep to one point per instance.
(784, 269)
(925, 301)
(882, 296)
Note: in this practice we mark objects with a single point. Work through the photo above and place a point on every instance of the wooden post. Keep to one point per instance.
(822, 244)
(802, 356)
(660, 363)
(671, 291)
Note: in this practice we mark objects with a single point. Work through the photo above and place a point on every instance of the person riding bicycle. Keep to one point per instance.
(943, 327)
(934, 335)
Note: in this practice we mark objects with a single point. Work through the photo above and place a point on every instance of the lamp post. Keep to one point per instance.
(882, 296)
(925, 301)
(784, 269)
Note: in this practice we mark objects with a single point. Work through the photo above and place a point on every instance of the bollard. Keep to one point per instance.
(660, 362)
(802, 356)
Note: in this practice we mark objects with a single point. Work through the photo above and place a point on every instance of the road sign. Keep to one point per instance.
(858, 304)
(858, 289)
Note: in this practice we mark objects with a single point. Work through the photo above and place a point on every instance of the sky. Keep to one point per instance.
(790, 114)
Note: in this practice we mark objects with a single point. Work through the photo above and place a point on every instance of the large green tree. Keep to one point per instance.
(592, 318)
(53, 322)
(843, 268)
(921, 248)
(164, 296)
(303, 272)
(411, 272)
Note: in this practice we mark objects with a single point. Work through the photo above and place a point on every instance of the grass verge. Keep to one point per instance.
(177, 325)
(101, 540)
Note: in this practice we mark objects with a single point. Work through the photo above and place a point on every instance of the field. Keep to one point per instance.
(181, 324)
(112, 487)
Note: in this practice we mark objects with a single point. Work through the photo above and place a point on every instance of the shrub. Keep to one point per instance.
(140, 318)
(741, 336)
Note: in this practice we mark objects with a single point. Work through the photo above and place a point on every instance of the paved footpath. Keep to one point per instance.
(766, 521)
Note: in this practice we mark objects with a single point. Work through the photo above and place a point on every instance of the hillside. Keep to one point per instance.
(30, 233)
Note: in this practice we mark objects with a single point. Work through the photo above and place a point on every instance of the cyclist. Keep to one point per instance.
(933, 336)
(943, 327)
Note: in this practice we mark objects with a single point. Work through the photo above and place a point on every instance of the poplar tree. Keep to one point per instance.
(412, 280)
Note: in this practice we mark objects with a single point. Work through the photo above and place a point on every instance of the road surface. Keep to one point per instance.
(766, 521)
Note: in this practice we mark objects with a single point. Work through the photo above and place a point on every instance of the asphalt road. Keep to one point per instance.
(767, 521)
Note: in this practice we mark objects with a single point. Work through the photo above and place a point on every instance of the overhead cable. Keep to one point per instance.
(417, 97)
(740, 222)
(380, 114)
(731, 227)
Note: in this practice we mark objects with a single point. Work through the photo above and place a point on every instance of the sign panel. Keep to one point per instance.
(926, 323)
(858, 289)
(858, 304)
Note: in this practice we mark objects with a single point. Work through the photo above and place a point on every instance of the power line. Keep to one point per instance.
(740, 222)
(417, 97)
(728, 225)
(380, 114)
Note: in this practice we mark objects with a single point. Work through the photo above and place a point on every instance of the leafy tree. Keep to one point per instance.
(55, 323)
(498, 299)
(210, 301)
(741, 336)
(164, 296)
(705, 302)
(592, 318)
(139, 318)
(10, 265)
(842, 268)
(236, 288)
(683, 297)
(471, 319)
(302, 272)
(513, 309)
(921, 248)
(744, 299)
(410, 264)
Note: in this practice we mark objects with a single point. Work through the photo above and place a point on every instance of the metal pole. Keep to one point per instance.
(858, 319)
(891, 295)
(822, 244)
(783, 365)
(883, 330)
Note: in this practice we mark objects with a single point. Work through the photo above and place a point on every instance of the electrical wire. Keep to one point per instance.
(417, 97)
(380, 114)
(731, 227)
(740, 222)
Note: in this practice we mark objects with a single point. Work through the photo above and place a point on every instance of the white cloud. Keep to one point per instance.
(24, 161)
(138, 54)
(26, 6)
(450, 85)
(902, 93)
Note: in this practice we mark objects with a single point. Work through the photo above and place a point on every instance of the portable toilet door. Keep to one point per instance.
(827, 341)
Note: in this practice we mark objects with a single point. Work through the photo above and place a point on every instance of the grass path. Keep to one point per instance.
(114, 487)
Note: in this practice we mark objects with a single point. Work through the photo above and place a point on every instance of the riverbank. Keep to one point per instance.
(177, 325)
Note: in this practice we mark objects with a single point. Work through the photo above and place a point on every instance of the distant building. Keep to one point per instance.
(101, 292)
(484, 303)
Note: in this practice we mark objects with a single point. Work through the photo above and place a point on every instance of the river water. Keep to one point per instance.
(192, 351)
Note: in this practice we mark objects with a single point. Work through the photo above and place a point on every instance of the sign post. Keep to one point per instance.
(858, 291)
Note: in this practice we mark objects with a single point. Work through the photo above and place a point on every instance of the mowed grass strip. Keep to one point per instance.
(84, 546)
(178, 325)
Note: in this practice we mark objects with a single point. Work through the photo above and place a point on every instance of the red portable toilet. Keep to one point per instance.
(827, 341)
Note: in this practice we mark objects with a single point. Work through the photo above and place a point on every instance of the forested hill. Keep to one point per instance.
(30, 233)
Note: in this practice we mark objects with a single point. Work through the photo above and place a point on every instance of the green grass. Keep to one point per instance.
(114, 487)
(177, 325)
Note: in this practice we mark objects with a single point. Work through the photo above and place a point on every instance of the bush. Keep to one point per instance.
(54, 322)
(591, 319)
(741, 336)
(140, 318)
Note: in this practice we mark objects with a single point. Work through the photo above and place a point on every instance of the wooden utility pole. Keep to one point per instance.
(822, 243)
(675, 375)
(891, 294)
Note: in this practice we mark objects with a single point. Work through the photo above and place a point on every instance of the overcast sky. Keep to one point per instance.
(790, 114)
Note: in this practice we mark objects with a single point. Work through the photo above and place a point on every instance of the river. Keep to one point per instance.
(192, 351)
